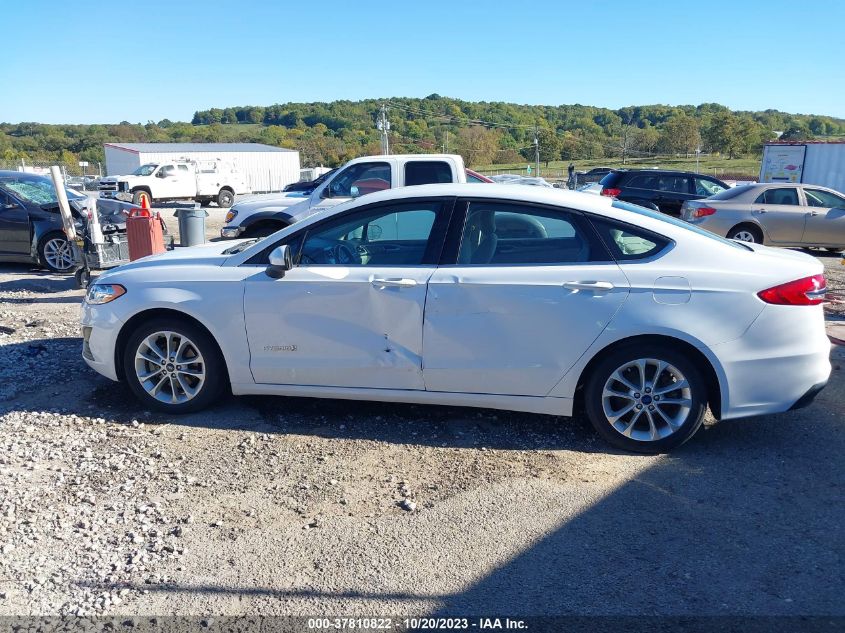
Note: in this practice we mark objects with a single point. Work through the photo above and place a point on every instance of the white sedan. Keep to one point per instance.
(507, 297)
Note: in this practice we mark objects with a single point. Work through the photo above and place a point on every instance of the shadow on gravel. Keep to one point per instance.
(743, 521)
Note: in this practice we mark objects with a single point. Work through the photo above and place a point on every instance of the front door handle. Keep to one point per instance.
(813, 213)
(596, 286)
(393, 282)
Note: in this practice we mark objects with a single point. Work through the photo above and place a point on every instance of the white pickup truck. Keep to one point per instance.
(201, 181)
(262, 216)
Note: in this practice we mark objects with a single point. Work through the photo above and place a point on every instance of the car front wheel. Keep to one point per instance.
(55, 252)
(646, 399)
(174, 366)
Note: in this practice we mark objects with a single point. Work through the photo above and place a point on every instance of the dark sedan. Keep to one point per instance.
(30, 223)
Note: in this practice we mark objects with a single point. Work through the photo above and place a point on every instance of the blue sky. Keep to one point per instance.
(149, 60)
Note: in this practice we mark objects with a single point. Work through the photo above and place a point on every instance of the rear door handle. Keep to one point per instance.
(393, 282)
(597, 286)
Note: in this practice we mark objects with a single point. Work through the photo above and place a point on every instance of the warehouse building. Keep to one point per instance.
(265, 168)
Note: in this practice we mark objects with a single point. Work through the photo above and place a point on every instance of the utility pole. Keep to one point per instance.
(446, 143)
(384, 127)
(697, 154)
(625, 143)
(537, 149)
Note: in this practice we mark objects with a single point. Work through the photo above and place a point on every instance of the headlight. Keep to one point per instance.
(233, 213)
(104, 293)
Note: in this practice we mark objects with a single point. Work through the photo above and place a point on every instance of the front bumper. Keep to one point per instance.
(231, 232)
(100, 328)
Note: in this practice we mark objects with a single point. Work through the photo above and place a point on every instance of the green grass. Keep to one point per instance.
(736, 168)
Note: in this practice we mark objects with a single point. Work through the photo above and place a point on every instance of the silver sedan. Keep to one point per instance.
(776, 214)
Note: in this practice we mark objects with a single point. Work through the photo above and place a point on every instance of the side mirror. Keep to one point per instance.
(281, 261)
(354, 191)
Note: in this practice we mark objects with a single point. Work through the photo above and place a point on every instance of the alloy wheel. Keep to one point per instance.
(744, 236)
(646, 399)
(170, 367)
(58, 253)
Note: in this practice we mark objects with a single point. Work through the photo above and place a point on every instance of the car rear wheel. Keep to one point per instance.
(646, 399)
(746, 233)
(173, 366)
(55, 252)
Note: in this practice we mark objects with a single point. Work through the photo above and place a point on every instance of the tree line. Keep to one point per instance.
(483, 133)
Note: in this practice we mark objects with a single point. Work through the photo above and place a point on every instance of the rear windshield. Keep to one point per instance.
(609, 179)
(733, 192)
(656, 215)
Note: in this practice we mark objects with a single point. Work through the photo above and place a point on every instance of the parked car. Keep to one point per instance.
(476, 178)
(360, 176)
(508, 297)
(658, 189)
(307, 186)
(778, 214)
(30, 224)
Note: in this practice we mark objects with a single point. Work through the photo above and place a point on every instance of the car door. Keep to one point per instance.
(350, 314)
(168, 183)
(15, 235)
(528, 290)
(779, 212)
(824, 217)
(673, 191)
(351, 182)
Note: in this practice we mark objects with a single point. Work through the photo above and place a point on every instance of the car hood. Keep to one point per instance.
(267, 204)
(211, 254)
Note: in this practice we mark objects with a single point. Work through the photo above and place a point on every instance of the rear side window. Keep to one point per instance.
(626, 242)
(780, 195)
(510, 233)
(428, 172)
(643, 181)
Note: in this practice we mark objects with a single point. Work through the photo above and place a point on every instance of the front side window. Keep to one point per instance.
(825, 199)
(426, 172)
(360, 179)
(388, 235)
(167, 170)
(779, 195)
(705, 187)
(183, 168)
(509, 234)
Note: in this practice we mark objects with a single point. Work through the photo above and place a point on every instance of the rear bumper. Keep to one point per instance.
(808, 397)
(780, 363)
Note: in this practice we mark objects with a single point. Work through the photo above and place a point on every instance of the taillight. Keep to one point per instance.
(610, 192)
(808, 291)
(700, 212)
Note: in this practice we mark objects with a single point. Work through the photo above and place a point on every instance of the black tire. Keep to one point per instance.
(263, 230)
(687, 422)
(225, 199)
(138, 195)
(49, 241)
(83, 278)
(740, 231)
(212, 363)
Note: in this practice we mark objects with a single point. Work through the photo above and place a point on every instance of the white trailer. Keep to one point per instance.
(808, 162)
(264, 167)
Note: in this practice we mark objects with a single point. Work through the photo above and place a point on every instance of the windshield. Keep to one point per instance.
(656, 215)
(145, 170)
(35, 190)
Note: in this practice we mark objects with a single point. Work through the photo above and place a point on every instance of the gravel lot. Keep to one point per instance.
(298, 506)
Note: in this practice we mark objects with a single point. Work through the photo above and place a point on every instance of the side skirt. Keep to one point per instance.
(529, 404)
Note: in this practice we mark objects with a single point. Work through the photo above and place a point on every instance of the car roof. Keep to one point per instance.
(648, 170)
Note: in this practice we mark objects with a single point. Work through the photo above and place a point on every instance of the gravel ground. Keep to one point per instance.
(299, 506)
